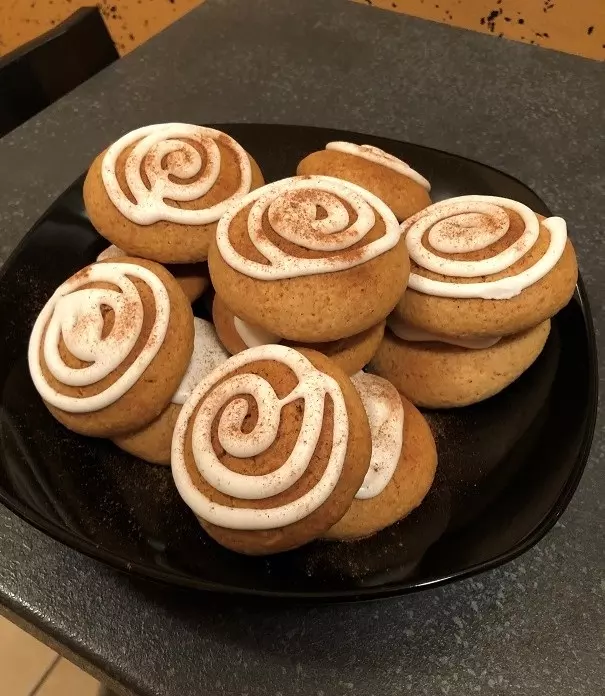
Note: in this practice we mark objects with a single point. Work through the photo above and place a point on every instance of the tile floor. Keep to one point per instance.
(29, 668)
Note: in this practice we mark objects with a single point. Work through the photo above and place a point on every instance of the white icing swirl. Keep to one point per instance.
(405, 332)
(471, 223)
(291, 208)
(384, 409)
(163, 153)
(253, 336)
(208, 353)
(76, 315)
(378, 156)
(219, 389)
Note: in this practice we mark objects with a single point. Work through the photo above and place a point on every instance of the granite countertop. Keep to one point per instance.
(531, 627)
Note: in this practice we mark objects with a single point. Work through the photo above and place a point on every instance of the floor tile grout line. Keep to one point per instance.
(45, 676)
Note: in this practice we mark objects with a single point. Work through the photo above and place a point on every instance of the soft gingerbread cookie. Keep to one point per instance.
(271, 448)
(159, 191)
(311, 259)
(111, 346)
(485, 267)
(403, 464)
(153, 442)
(192, 277)
(350, 354)
(402, 188)
(438, 375)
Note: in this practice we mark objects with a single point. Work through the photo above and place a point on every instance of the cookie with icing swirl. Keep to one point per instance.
(403, 463)
(350, 354)
(270, 449)
(400, 186)
(111, 345)
(485, 267)
(159, 191)
(303, 258)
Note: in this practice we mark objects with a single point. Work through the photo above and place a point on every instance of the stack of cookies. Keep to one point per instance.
(487, 276)
(274, 434)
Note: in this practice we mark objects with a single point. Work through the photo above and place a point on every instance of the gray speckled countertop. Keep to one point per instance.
(534, 626)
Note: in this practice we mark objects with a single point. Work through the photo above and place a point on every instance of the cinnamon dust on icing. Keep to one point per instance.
(82, 276)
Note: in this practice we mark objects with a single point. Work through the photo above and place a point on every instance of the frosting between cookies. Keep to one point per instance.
(291, 206)
(253, 336)
(386, 417)
(313, 386)
(208, 353)
(471, 223)
(378, 156)
(75, 315)
(405, 332)
(112, 252)
(161, 151)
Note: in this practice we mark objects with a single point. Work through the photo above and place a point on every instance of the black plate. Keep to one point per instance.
(507, 467)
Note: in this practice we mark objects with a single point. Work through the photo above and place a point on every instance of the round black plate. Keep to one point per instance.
(507, 467)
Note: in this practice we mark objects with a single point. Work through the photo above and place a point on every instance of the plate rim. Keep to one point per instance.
(175, 579)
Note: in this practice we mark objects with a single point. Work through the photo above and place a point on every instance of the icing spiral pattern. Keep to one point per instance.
(384, 409)
(75, 315)
(473, 223)
(290, 207)
(164, 152)
(223, 390)
(378, 156)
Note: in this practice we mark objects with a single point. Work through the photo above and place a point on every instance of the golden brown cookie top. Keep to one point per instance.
(481, 247)
(305, 226)
(375, 154)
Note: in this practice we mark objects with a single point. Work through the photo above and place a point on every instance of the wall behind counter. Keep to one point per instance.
(574, 26)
